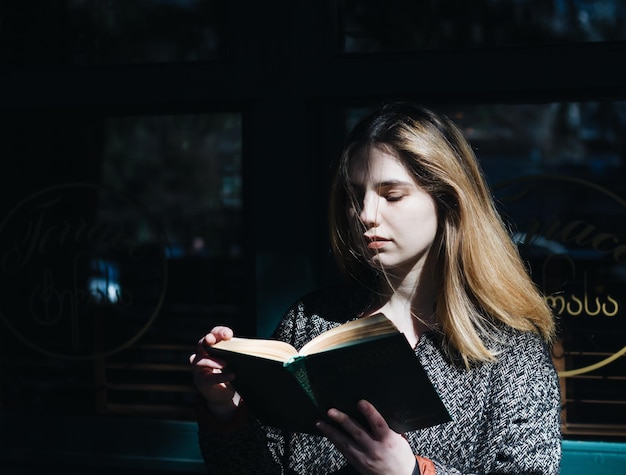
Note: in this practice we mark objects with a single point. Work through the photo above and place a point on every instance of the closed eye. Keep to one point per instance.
(393, 190)
(394, 197)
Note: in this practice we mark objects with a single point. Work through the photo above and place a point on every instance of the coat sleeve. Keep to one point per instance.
(238, 447)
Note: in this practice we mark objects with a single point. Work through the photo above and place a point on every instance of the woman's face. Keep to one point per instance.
(398, 218)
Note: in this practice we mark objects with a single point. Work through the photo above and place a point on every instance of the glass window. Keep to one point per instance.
(122, 246)
(88, 32)
(557, 172)
(402, 25)
(186, 169)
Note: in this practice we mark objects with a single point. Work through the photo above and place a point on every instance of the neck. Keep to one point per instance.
(409, 302)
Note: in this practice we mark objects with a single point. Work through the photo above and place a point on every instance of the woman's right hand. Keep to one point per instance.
(211, 377)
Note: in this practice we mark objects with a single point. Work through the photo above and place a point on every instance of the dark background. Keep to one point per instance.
(202, 133)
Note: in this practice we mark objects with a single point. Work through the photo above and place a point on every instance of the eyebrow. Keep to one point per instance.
(384, 184)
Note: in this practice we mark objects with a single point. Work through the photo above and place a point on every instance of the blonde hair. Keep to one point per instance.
(479, 275)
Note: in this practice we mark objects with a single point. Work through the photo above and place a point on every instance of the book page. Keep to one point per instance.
(364, 328)
(270, 349)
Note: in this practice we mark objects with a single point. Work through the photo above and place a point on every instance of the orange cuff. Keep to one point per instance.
(426, 466)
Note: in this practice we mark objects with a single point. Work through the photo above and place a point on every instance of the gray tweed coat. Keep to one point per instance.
(505, 415)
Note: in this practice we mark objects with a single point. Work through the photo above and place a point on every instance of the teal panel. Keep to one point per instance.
(281, 279)
(597, 458)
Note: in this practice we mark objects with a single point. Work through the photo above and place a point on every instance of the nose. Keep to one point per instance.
(369, 214)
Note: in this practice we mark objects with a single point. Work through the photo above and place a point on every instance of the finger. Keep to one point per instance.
(212, 376)
(206, 361)
(218, 333)
(377, 423)
(352, 450)
(214, 379)
(340, 439)
(353, 429)
(222, 333)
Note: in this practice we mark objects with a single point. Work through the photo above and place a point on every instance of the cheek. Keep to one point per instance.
(423, 224)
(432, 226)
(430, 216)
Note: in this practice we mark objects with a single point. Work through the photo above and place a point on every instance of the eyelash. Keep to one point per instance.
(394, 198)
(391, 198)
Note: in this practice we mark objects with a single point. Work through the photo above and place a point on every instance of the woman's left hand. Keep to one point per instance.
(379, 450)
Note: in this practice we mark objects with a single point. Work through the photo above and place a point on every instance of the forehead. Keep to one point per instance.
(377, 164)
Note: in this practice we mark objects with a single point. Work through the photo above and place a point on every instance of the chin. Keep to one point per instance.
(380, 264)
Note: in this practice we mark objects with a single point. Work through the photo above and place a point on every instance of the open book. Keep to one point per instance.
(366, 358)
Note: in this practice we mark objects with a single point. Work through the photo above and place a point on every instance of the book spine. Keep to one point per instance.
(297, 367)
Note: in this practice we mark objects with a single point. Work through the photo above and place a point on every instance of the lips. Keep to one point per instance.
(376, 242)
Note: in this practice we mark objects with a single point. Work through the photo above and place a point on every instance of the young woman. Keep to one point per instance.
(415, 231)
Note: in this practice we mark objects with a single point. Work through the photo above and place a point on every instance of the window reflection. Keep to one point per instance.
(84, 32)
(104, 284)
(186, 170)
(397, 25)
(581, 138)
(121, 243)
